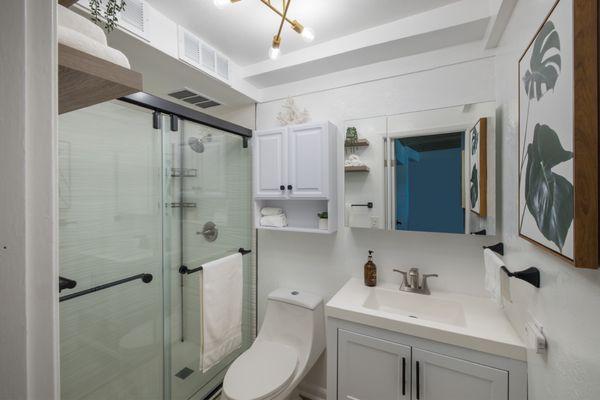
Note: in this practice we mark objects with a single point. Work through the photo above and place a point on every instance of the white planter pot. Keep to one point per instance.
(323, 224)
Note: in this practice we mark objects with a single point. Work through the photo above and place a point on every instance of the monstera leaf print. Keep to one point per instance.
(545, 63)
(474, 140)
(474, 186)
(549, 196)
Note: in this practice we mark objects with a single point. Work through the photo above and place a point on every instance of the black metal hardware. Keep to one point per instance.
(183, 270)
(497, 248)
(146, 278)
(368, 205)
(290, 187)
(418, 382)
(65, 283)
(403, 376)
(482, 232)
(174, 123)
(530, 275)
(164, 106)
(156, 120)
(245, 142)
(281, 187)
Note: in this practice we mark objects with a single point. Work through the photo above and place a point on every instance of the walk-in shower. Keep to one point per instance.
(148, 192)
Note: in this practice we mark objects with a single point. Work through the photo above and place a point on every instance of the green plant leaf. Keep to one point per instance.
(474, 186)
(544, 64)
(549, 196)
(474, 140)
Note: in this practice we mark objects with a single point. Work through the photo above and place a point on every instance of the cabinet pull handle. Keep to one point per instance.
(418, 382)
(403, 376)
(281, 187)
(290, 187)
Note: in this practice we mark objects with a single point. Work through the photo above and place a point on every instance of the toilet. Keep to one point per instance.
(291, 339)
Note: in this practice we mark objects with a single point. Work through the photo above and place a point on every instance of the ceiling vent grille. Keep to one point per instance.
(202, 56)
(195, 98)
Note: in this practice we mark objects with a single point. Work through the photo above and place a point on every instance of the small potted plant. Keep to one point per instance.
(323, 220)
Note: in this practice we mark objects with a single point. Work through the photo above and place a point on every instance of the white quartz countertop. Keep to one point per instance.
(484, 328)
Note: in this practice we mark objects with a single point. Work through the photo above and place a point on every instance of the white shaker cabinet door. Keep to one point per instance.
(270, 163)
(309, 159)
(439, 377)
(372, 369)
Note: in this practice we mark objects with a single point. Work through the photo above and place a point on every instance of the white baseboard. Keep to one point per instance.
(312, 392)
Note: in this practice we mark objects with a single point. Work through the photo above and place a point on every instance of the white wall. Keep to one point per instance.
(567, 304)
(322, 264)
(28, 264)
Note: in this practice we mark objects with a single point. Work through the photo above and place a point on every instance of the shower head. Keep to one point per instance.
(196, 144)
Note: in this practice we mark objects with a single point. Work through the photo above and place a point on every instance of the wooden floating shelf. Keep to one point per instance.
(67, 3)
(85, 80)
(358, 143)
(362, 168)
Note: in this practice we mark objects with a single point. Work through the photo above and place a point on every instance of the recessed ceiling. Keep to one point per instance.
(244, 30)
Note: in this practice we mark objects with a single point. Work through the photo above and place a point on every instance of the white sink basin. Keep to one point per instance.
(418, 306)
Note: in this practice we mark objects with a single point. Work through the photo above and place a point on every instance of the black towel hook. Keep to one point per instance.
(530, 275)
(497, 248)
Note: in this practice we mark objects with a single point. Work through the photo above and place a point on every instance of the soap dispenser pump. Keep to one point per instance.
(370, 271)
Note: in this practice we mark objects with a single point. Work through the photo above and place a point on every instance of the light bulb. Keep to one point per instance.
(221, 4)
(308, 34)
(274, 53)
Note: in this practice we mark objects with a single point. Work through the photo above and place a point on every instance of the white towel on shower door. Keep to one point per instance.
(222, 289)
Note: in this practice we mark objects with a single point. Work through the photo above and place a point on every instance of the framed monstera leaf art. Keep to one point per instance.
(478, 169)
(558, 134)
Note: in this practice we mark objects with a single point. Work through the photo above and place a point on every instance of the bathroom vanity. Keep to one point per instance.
(386, 344)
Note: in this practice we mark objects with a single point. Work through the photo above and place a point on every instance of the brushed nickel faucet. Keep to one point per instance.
(410, 281)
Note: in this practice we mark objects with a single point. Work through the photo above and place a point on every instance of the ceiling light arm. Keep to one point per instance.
(286, 6)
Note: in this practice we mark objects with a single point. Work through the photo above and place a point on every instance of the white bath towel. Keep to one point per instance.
(492, 275)
(222, 289)
(277, 221)
(76, 40)
(265, 211)
(78, 23)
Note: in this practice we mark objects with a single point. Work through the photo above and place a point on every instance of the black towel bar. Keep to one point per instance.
(185, 270)
(530, 275)
(146, 278)
(498, 248)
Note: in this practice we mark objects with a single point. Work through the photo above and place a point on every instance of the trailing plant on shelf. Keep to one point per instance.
(110, 15)
(323, 215)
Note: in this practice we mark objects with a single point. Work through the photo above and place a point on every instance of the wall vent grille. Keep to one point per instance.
(193, 97)
(134, 14)
(202, 56)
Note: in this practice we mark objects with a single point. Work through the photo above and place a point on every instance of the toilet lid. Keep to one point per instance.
(261, 372)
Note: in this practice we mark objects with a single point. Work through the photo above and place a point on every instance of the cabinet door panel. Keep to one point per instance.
(308, 161)
(372, 369)
(270, 169)
(439, 377)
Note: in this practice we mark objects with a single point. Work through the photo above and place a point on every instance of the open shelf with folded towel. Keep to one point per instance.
(89, 71)
(294, 215)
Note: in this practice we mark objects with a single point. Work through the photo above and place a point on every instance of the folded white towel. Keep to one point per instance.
(277, 221)
(72, 20)
(492, 275)
(265, 211)
(222, 289)
(76, 40)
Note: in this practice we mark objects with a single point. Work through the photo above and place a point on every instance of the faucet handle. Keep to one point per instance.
(404, 276)
(424, 286)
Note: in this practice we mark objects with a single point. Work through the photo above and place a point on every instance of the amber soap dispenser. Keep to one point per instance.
(370, 271)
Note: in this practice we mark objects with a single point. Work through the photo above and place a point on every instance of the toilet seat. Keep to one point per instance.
(261, 372)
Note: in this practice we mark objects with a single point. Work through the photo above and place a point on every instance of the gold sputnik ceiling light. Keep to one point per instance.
(306, 33)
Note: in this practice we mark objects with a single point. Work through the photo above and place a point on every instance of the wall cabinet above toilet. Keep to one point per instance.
(296, 161)
(295, 169)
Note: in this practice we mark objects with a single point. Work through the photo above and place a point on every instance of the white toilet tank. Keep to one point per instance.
(295, 318)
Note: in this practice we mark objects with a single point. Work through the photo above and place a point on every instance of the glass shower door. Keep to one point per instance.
(110, 195)
(212, 193)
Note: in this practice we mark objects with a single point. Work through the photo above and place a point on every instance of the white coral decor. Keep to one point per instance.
(291, 114)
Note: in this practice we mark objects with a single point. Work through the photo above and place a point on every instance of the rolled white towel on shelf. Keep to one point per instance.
(266, 211)
(276, 221)
(78, 41)
(78, 23)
